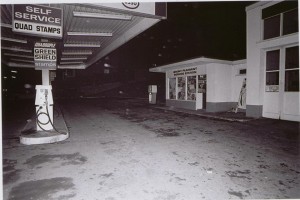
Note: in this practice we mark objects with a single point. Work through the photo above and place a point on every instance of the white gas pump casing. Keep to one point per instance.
(152, 90)
(44, 107)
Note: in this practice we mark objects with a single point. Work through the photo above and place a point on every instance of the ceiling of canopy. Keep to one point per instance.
(90, 32)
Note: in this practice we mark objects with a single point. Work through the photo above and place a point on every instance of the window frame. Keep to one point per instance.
(290, 69)
(281, 15)
(282, 83)
(282, 20)
(280, 27)
(268, 88)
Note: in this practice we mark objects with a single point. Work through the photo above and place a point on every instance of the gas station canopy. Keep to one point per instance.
(78, 35)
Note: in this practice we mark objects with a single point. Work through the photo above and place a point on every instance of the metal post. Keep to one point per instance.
(45, 77)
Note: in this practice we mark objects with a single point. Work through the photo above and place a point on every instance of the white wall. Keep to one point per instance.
(219, 82)
(201, 69)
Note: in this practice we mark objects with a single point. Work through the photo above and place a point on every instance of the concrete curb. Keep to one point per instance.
(42, 137)
(206, 115)
(30, 136)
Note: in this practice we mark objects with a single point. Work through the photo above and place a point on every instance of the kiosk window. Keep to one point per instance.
(181, 88)
(172, 88)
(242, 71)
(191, 88)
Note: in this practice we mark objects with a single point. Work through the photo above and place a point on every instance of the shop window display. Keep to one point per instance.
(181, 88)
(191, 88)
(172, 88)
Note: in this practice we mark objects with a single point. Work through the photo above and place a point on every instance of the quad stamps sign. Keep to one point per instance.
(45, 55)
(37, 20)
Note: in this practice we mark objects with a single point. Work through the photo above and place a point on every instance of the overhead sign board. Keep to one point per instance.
(45, 55)
(38, 20)
(153, 9)
(185, 72)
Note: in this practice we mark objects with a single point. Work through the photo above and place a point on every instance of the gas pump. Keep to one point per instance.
(45, 60)
(152, 90)
(44, 108)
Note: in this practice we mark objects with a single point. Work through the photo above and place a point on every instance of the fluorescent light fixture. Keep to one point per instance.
(13, 71)
(17, 49)
(68, 63)
(102, 15)
(81, 45)
(16, 55)
(5, 77)
(13, 77)
(14, 40)
(77, 53)
(75, 58)
(101, 34)
(6, 25)
(21, 60)
(106, 65)
(80, 66)
(12, 64)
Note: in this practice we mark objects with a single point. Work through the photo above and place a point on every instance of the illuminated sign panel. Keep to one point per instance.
(185, 72)
(153, 9)
(37, 20)
(45, 55)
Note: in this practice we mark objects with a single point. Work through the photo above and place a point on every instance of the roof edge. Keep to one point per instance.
(255, 5)
(195, 61)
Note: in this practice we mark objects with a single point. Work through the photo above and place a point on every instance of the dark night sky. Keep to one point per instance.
(192, 29)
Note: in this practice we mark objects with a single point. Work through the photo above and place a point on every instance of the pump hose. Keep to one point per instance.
(39, 123)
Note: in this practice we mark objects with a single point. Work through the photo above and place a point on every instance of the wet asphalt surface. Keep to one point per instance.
(127, 149)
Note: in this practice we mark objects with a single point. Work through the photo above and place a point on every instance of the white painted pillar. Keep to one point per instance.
(45, 77)
(255, 62)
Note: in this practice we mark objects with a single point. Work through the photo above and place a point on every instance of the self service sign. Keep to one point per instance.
(45, 55)
(37, 20)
